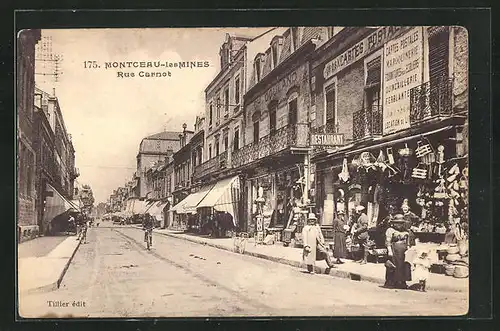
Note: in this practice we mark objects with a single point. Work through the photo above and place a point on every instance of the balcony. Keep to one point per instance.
(367, 123)
(430, 100)
(211, 166)
(289, 136)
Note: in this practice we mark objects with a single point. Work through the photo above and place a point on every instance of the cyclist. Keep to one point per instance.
(148, 226)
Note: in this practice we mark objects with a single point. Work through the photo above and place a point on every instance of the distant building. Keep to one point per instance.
(152, 149)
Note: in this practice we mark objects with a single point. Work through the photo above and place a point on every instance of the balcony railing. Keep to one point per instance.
(296, 135)
(213, 165)
(431, 99)
(367, 122)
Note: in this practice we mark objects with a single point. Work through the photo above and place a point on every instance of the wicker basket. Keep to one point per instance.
(449, 269)
(461, 272)
(452, 250)
(452, 257)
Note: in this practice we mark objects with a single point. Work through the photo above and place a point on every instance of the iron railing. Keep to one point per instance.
(213, 165)
(367, 122)
(431, 99)
(296, 135)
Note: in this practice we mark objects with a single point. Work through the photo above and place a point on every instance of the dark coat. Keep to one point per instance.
(339, 238)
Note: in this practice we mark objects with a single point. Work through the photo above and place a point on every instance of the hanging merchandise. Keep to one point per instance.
(422, 149)
(404, 162)
(419, 172)
(344, 174)
(390, 156)
(380, 162)
(440, 190)
(440, 158)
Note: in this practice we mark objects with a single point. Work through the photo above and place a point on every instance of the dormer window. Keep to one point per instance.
(294, 31)
(274, 52)
(258, 68)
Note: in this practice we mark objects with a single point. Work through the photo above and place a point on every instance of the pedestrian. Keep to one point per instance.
(398, 272)
(361, 234)
(421, 269)
(340, 229)
(314, 245)
(411, 219)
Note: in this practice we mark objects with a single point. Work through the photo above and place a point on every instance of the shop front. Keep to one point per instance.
(423, 176)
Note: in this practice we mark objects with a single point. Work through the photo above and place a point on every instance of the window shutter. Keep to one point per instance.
(330, 102)
(438, 53)
(373, 69)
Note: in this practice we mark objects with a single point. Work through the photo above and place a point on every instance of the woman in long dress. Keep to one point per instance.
(398, 272)
(340, 229)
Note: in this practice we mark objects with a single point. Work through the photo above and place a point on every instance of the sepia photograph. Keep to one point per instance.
(242, 172)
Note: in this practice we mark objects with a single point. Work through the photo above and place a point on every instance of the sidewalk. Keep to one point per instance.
(371, 272)
(42, 262)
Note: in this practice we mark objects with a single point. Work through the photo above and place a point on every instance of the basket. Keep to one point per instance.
(453, 250)
(452, 257)
(449, 269)
(461, 272)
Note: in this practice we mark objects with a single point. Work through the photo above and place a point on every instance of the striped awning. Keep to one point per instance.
(56, 204)
(156, 209)
(224, 197)
(191, 202)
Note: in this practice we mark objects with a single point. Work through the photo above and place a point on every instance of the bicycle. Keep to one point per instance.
(148, 238)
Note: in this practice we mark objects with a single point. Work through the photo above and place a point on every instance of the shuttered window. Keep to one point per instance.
(438, 53)
(330, 104)
(373, 70)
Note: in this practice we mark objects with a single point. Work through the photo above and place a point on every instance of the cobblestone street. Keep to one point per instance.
(113, 275)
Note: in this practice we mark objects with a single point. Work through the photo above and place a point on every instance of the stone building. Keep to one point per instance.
(26, 157)
(152, 149)
(393, 94)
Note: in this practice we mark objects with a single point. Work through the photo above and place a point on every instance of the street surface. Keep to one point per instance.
(113, 275)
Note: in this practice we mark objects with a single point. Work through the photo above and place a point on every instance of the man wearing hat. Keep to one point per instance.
(314, 245)
(361, 233)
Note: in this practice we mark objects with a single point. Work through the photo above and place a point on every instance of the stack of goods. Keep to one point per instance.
(457, 264)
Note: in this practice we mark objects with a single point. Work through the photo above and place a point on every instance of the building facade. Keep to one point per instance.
(26, 157)
(398, 96)
(152, 149)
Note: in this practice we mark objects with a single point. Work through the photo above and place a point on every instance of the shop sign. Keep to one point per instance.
(331, 139)
(282, 84)
(360, 50)
(403, 67)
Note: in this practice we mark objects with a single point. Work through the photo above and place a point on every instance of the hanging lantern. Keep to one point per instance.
(422, 149)
(390, 156)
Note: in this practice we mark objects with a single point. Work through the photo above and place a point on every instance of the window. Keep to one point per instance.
(211, 114)
(438, 54)
(226, 100)
(256, 131)
(217, 146)
(237, 90)
(372, 87)
(209, 151)
(257, 69)
(295, 38)
(218, 105)
(236, 140)
(200, 159)
(292, 112)
(330, 105)
(226, 142)
(274, 50)
(272, 119)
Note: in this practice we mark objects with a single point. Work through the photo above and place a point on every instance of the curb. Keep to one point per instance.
(55, 285)
(322, 270)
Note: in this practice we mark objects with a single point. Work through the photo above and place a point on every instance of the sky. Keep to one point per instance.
(107, 116)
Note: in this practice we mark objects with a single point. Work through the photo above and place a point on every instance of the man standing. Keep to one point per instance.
(361, 233)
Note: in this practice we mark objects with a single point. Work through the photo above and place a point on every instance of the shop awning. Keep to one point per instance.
(192, 200)
(223, 196)
(56, 204)
(178, 207)
(156, 209)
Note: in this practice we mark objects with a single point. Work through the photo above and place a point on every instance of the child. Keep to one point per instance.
(422, 265)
